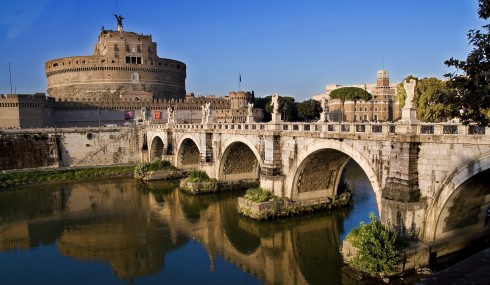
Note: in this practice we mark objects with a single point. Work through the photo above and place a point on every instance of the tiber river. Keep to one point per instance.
(120, 231)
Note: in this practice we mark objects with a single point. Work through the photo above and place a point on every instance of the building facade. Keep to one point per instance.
(383, 107)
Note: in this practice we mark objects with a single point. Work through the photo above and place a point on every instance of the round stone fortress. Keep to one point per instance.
(123, 64)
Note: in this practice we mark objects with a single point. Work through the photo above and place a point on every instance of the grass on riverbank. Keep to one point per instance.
(21, 178)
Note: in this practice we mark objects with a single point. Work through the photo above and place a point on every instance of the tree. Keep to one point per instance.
(427, 99)
(375, 247)
(472, 87)
(350, 94)
(261, 103)
(308, 110)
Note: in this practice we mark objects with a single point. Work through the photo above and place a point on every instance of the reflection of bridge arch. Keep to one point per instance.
(157, 148)
(242, 240)
(317, 169)
(315, 243)
(240, 160)
(188, 153)
(459, 207)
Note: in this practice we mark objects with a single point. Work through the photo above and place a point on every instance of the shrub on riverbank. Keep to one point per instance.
(20, 178)
(376, 253)
(141, 169)
(198, 176)
(258, 195)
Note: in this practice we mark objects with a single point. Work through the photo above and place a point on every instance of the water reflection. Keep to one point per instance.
(134, 227)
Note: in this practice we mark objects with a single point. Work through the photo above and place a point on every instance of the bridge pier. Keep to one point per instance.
(401, 205)
(270, 174)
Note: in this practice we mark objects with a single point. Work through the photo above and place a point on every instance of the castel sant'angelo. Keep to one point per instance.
(123, 82)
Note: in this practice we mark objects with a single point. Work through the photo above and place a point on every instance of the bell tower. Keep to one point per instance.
(383, 78)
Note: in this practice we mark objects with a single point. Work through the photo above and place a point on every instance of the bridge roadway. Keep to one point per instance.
(429, 179)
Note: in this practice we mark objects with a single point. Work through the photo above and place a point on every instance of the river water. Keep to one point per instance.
(120, 231)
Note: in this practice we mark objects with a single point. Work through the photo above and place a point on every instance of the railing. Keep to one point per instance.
(449, 129)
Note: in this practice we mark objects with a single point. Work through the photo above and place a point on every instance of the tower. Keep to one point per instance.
(383, 78)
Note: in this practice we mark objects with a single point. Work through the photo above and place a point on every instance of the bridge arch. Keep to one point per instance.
(328, 157)
(460, 205)
(157, 148)
(240, 160)
(188, 153)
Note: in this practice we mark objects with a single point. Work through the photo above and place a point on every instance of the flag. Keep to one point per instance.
(239, 77)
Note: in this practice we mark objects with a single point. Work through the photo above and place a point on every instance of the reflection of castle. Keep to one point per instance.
(123, 81)
(134, 231)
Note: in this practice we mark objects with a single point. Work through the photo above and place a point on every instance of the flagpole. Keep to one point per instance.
(10, 76)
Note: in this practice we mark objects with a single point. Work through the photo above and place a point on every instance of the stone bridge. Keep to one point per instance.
(429, 179)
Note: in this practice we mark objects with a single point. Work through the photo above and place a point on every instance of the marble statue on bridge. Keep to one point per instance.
(275, 103)
(276, 116)
(171, 115)
(409, 112)
(323, 114)
(409, 87)
(206, 112)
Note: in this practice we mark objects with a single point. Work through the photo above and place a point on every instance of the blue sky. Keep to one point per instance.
(291, 47)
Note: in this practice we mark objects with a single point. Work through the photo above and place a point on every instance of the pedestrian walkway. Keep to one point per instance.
(474, 270)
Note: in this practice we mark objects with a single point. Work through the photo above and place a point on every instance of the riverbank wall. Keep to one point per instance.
(68, 147)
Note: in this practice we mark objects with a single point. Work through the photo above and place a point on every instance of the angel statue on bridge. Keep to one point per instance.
(275, 103)
(249, 109)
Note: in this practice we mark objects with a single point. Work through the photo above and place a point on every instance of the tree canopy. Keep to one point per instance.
(427, 99)
(471, 80)
(308, 110)
(350, 94)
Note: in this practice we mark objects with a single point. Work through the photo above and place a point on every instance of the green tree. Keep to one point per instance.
(376, 253)
(261, 103)
(308, 110)
(471, 80)
(427, 99)
(350, 94)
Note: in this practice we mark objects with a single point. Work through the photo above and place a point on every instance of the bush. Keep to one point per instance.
(258, 195)
(375, 247)
(158, 165)
(198, 176)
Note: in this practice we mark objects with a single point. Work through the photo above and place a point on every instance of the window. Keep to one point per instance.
(116, 47)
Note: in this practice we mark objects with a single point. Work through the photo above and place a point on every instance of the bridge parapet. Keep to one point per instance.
(360, 129)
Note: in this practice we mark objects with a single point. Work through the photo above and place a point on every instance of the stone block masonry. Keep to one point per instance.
(37, 148)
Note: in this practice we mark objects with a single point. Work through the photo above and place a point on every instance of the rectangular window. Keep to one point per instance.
(138, 60)
(116, 47)
(128, 59)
